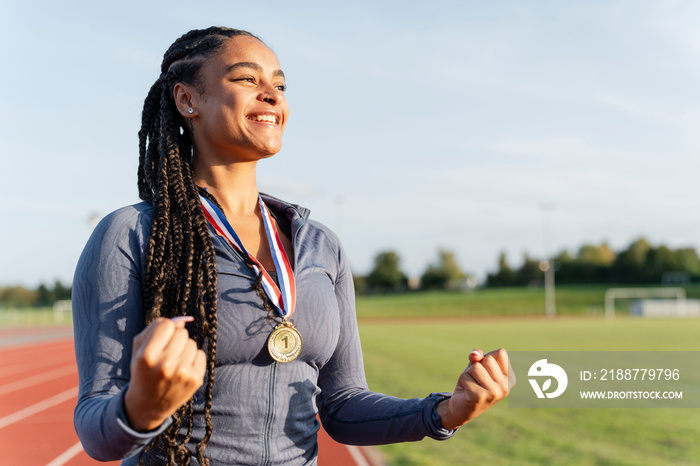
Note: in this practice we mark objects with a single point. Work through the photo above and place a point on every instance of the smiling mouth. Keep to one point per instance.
(266, 118)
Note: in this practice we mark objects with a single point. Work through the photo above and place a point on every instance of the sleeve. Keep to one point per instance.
(107, 314)
(349, 411)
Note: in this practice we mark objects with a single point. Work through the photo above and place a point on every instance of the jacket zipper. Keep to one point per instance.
(273, 368)
(268, 418)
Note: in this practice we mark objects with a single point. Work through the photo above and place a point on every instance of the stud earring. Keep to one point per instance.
(190, 110)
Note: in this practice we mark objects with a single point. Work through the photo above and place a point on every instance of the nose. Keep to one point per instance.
(270, 95)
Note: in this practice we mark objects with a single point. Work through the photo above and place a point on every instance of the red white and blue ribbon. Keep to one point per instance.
(283, 297)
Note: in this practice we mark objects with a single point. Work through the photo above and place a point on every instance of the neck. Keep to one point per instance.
(233, 185)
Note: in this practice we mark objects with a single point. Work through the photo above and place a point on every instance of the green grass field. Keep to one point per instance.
(402, 359)
(33, 316)
(579, 300)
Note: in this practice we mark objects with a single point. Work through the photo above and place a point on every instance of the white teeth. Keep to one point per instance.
(270, 118)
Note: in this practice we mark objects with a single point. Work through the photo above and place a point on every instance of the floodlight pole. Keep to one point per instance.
(549, 294)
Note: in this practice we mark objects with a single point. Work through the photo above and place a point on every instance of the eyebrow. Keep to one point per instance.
(253, 66)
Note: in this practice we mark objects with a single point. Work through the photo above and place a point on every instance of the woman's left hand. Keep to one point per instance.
(483, 383)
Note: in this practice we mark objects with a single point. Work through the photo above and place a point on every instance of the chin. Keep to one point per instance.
(270, 150)
(268, 155)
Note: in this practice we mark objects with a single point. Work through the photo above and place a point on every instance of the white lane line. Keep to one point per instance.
(35, 366)
(357, 455)
(37, 379)
(67, 455)
(38, 407)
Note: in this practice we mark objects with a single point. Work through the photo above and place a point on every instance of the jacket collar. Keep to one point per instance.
(291, 217)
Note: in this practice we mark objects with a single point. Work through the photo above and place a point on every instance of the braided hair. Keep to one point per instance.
(180, 275)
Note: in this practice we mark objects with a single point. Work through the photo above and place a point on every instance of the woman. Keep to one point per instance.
(190, 308)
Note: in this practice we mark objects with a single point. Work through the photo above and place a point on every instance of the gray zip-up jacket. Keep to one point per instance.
(263, 412)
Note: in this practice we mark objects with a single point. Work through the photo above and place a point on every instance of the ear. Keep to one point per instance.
(183, 94)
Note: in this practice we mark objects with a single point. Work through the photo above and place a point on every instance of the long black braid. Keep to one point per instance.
(180, 276)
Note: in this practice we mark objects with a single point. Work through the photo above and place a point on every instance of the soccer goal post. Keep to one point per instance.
(60, 309)
(611, 294)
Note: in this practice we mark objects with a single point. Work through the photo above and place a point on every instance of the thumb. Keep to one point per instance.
(476, 356)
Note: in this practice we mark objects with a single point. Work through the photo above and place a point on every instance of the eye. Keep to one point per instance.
(281, 87)
(248, 79)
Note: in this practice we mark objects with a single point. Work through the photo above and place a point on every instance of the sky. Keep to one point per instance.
(473, 126)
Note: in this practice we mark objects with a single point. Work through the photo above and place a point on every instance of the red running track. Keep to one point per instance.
(39, 389)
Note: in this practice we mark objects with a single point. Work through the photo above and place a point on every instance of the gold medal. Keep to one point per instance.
(284, 343)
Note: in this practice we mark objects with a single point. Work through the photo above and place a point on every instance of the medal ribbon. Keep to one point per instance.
(283, 297)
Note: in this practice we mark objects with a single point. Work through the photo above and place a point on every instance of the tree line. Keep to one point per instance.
(386, 275)
(43, 295)
(639, 263)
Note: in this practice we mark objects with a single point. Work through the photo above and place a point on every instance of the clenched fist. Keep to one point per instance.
(167, 368)
(484, 382)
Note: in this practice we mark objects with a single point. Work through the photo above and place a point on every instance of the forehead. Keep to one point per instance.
(244, 49)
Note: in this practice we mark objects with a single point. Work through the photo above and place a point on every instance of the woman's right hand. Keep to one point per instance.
(167, 368)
